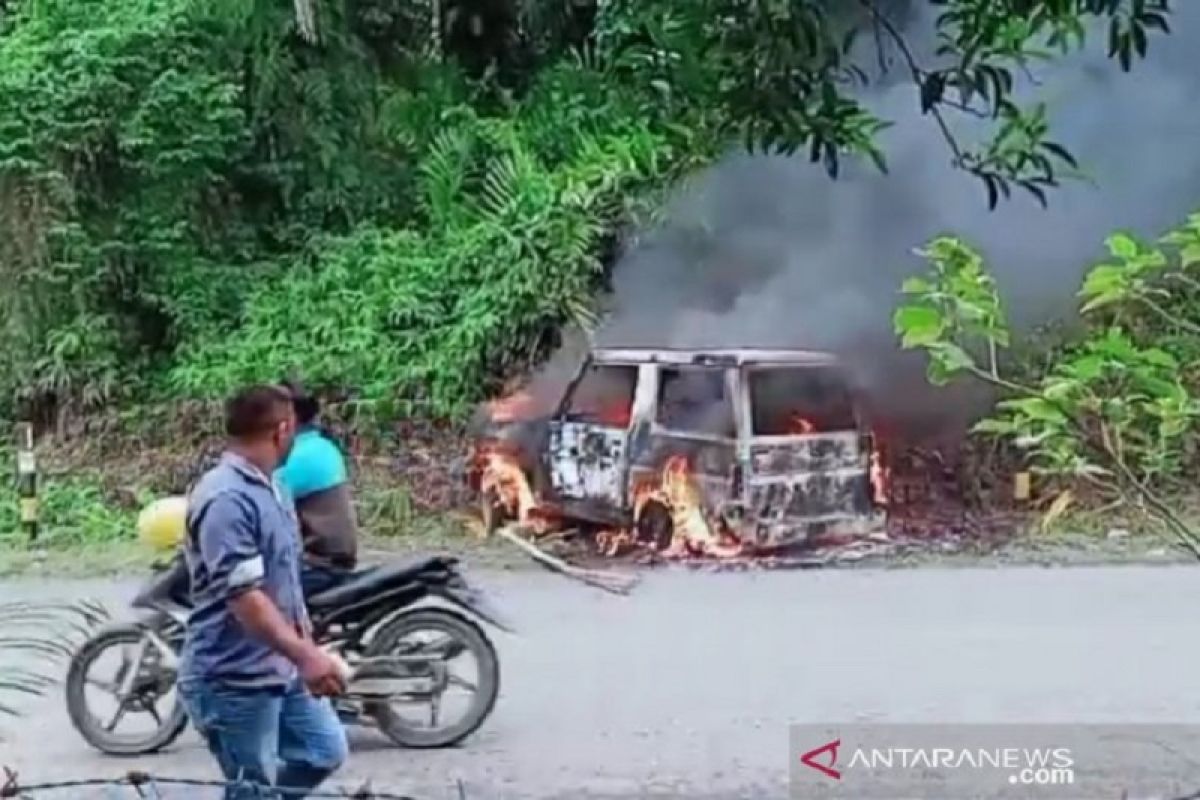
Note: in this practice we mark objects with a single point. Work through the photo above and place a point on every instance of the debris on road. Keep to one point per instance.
(609, 581)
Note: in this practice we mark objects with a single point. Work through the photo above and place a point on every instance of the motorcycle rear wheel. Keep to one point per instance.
(475, 640)
(90, 727)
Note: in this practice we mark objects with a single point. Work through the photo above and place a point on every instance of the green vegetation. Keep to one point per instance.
(405, 200)
(1115, 412)
(193, 195)
(512, 211)
(74, 511)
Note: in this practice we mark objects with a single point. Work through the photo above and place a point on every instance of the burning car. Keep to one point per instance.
(700, 452)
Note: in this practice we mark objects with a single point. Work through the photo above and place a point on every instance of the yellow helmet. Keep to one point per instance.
(163, 524)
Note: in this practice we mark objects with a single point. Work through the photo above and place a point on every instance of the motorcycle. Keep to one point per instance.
(371, 620)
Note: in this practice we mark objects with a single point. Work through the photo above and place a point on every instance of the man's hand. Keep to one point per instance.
(323, 673)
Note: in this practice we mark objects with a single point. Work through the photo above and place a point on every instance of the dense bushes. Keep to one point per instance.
(190, 197)
(116, 122)
(1114, 412)
(156, 159)
(407, 203)
(514, 208)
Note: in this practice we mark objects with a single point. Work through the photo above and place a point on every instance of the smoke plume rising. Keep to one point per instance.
(768, 251)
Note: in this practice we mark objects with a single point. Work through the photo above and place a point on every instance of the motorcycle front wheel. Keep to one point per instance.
(140, 682)
(453, 637)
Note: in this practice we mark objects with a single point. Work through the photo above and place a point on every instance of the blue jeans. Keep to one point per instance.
(251, 731)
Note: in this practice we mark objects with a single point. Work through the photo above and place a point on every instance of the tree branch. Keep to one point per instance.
(1156, 504)
(1185, 280)
(306, 20)
(964, 108)
(996, 380)
(918, 76)
(1170, 318)
(613, 582)
(883, 64)
(1125, 474)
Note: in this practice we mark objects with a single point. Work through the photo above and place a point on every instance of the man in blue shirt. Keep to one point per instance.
(252, 678)
(316, 477)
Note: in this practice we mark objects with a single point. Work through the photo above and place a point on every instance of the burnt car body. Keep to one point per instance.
(772, 439)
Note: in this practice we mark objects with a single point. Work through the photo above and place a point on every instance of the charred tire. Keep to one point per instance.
(88, 726)
(655, 527)
(475, 640)
(494, 512)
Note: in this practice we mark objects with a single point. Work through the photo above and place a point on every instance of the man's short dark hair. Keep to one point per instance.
(256, 410)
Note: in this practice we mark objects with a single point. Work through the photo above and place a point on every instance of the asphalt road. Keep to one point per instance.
(687, 688)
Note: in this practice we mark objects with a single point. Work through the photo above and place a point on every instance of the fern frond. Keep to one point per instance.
(500, 191)
(46, 632)
(444, 171)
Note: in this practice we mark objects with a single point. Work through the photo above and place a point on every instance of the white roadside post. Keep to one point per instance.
(27, 479)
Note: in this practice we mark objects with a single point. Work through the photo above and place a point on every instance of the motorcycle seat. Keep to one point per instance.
(364, 583)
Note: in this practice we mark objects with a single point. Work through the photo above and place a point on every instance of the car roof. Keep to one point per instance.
(732, 355)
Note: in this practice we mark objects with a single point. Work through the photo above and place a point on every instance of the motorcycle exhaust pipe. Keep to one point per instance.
(387, 688)
(376, 678)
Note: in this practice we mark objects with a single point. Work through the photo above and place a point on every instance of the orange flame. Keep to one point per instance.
(614, 541)
(502, 474)
(615, 415)
(500, 471)
(519, 405)
(692, 533)
(798, 424)
(675, 489)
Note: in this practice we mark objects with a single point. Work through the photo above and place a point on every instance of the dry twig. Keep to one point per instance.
(614, 582)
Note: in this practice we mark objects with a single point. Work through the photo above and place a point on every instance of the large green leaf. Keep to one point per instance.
(953, 358)
(918, 325)
(1122, 245)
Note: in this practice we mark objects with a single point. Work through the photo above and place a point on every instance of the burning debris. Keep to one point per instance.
(677, 495)
(881, 478)
(921, 496)
(505, 488)
(685, 455)
(736, 456)
(767, 252)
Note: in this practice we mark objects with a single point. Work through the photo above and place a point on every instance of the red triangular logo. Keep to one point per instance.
(809, 759)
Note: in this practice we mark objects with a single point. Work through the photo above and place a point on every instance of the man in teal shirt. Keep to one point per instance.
(316, 477)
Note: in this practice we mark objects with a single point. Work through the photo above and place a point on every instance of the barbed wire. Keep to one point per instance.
(149, 787)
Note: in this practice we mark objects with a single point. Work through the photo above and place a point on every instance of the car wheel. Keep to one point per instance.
(655, 528)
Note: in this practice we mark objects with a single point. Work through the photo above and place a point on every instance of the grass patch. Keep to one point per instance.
(1114, 521)
(89, 529)
(387, 510)
(392, 524)
(75, 511)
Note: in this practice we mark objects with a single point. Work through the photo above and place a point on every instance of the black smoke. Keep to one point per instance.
(769, 251)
